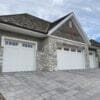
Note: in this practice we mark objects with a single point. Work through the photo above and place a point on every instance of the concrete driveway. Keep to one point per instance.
(60, 85)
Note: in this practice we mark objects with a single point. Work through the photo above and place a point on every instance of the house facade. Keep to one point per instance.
(29, 44)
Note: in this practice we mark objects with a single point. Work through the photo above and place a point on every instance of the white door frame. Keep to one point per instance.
(21, 40)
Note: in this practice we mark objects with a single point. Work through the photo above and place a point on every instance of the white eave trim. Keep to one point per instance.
(21, 30)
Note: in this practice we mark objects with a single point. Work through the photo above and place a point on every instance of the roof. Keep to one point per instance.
(26, 21)
(30, 22)
(59, 20)
(95, 43)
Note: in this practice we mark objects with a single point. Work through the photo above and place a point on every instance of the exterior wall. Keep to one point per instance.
(46, 52)
(19, 36)
(87, 64)
(48, 57)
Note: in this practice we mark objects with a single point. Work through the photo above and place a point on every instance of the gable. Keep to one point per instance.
(69, 31)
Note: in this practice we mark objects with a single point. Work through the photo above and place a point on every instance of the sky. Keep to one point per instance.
(86, 11)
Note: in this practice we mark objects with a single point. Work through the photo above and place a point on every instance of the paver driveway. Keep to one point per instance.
(60, 85)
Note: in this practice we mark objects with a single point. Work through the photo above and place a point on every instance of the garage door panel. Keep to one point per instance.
(10, 62)
(28, 58)
(93, 60)
(70, 60)
(59, 60)
(17, 57)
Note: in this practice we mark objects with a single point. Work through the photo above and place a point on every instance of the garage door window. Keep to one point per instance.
(59, 48)
(79, 51)
(11, 43)
(66, 49)
(73, 50)
(27, 45)
(90, 53)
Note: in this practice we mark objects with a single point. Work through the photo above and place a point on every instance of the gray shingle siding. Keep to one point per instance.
(26, 21)
(69, 33)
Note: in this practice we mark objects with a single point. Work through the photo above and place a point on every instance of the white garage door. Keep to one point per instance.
(93, 60)
(70, 59)
(18, 56)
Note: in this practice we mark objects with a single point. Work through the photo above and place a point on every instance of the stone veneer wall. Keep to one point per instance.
(87, 61)
(1, 58)
(47, 58)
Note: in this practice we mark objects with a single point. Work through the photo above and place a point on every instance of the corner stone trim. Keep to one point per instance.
(47, 60)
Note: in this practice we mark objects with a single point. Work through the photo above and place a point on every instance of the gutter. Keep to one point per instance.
(21, 30)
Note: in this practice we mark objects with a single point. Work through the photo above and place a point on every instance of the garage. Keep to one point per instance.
(18, 55)
(93, 60)
(70, 58)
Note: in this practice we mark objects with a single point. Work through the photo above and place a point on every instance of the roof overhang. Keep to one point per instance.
(19, 30)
